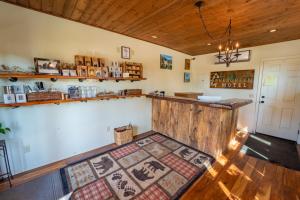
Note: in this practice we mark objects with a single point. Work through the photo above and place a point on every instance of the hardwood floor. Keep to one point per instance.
(233, 176)
(238, 176)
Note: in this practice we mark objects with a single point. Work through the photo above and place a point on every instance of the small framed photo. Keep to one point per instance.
(87, 61)
(101, 62)
(95, 62)
(187, 64)
(46, 66)
(98, 71)
(79, 60)
(91, 71)
(21, 98)
(73, 72)
(82, 71)
(65, 72)
(187, 77)
(125, 52)
(9, 98)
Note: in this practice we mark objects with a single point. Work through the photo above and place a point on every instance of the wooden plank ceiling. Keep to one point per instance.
(176, 22)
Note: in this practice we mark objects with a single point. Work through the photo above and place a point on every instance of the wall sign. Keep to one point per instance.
(238, 79)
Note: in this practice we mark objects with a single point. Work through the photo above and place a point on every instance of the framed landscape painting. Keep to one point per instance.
(187, 77)
(165, 62)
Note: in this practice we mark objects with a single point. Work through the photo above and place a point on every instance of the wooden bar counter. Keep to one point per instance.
(207, 126)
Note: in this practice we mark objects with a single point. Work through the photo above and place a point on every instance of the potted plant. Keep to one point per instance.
(4, 130)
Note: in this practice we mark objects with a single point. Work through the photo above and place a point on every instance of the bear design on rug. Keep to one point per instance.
(154, 165)
(128, 191)
(142, 174)
(120, 184)
(185, 152)
(105, 164)
(201, 159)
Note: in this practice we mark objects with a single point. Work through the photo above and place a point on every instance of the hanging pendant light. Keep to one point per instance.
(228, 52)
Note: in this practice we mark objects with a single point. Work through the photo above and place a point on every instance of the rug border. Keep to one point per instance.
(179, 193)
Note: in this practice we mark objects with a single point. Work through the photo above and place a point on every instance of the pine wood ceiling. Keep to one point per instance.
(176, 22)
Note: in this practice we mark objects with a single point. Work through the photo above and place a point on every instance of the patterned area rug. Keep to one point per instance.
(154, 167)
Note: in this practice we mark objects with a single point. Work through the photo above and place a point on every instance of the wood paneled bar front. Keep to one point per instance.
(207, 126)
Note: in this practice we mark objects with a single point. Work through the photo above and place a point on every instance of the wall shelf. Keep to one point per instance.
(104, 97)
(15, 76)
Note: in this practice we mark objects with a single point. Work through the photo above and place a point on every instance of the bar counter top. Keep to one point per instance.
(230, 104)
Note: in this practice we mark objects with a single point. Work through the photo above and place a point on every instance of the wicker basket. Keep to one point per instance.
(123, 134)
(44, 96)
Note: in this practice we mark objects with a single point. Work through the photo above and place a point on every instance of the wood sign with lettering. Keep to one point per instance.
(238, 79)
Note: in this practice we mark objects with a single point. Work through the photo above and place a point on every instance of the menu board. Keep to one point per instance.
(238, 79)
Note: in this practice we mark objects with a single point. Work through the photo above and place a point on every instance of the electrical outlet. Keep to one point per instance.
(27, 148)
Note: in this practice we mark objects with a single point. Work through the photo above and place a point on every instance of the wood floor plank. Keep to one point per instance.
(244, 178)
(256, 177)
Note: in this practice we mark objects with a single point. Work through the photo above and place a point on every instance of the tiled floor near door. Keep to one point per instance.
(275, 150)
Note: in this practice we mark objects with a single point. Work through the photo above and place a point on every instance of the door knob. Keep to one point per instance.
(262, 102)
(262, 96)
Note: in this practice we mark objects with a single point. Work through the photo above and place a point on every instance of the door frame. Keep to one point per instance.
(260, 82)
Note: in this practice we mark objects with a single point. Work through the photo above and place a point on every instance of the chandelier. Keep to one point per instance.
(229, 51)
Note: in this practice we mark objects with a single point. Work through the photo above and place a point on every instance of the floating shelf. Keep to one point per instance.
(104, 97)
(15, 76)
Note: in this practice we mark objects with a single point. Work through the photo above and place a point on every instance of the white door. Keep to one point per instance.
(279, 107)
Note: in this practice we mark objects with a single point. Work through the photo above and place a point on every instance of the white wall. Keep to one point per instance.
(47, 133)
(205, 65)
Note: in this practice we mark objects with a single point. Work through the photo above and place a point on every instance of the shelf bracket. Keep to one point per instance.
(53, 79)
(13, 79)
(81, 79)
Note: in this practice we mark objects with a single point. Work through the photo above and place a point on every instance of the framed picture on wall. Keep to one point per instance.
(125, 52)
(187, 77)
(46, 66)
(165, 62)
(187, 64)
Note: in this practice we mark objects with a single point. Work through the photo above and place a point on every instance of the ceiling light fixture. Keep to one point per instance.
(154, 36)
(229, 51)
(273, 30)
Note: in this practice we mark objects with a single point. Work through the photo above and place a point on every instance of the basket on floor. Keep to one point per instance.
(123, 134)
